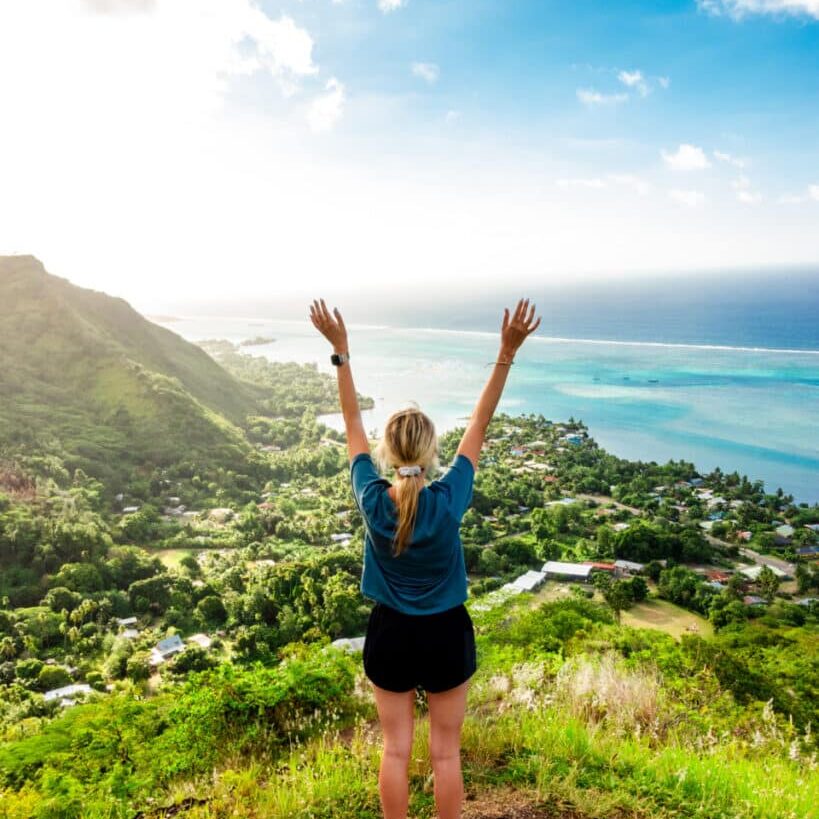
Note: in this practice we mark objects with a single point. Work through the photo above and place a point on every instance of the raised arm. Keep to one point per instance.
(514, 332)
(336, 333)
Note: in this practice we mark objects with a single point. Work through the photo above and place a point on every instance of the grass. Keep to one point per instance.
(171, 558)
(560, 760)
(665, 616)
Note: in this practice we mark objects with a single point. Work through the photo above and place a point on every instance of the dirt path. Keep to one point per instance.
(515, 803)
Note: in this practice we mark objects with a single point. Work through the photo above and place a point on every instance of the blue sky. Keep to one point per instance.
(322, 143)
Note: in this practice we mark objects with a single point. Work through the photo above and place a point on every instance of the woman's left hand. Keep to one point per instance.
(332, 329)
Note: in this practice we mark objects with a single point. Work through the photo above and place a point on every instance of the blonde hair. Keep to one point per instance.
(409, 438)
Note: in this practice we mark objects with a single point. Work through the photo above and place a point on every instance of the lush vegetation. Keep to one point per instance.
(154, 491)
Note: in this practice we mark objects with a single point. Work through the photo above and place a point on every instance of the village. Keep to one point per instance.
(537, 461)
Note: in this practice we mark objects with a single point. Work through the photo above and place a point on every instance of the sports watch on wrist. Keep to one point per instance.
(339, 358)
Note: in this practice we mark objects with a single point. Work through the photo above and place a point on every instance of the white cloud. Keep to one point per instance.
(428, 72)
(730, 159)
(690, 199)
(665, 82)
(811, 194)
(120, 6)
(326, 109)
(634, 79)
(635, 183)
(686, 158)
(740, 8)
(452, 116)
(595, 182)
(749, 197)
(387, 6)
(590, 97)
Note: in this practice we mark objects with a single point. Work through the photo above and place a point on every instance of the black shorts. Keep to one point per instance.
(431, 651)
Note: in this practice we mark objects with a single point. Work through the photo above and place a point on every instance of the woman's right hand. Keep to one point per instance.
(515, 330)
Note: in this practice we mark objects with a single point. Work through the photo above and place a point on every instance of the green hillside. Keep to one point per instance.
(85, 374)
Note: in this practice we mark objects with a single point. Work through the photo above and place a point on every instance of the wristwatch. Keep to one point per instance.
(339, 358)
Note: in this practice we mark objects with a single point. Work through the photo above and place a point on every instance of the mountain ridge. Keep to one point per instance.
(81, 361)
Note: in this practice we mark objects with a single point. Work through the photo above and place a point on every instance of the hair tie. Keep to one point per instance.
(410, 470)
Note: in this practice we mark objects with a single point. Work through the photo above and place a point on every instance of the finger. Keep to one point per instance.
(505, 318)
(325, 311)
(531, 314)
(340, 319)
(524, 305)
(517, 310)
(535, 325)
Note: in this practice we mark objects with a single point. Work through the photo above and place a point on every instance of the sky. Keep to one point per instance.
(172, 150)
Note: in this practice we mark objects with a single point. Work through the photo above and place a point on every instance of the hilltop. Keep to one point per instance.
(86, 375)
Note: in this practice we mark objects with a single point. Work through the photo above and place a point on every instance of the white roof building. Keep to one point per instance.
(350, 644)
(753, 572)
(628, 565)
(65, 693)
(528, 582)
(560, 569)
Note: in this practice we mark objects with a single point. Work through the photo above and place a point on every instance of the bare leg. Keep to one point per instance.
(396, 713)
(446, 716)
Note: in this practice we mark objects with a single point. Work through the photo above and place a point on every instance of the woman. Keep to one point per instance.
(419, 633)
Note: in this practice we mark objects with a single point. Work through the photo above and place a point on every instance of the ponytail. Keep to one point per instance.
(407, 492)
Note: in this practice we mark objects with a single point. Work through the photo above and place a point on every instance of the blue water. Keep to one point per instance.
(717, 401)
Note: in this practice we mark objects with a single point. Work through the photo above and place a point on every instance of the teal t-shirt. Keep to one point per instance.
(429, 576)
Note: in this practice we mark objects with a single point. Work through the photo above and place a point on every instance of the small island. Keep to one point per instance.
(258, 341)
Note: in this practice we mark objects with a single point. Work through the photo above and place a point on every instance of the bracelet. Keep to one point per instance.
(501, 362)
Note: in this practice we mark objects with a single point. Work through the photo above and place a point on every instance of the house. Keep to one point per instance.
(572, 438)
(201, 640)
(566, 571)
(517, 451)
(222, 514)
(523, 508)
(807, 601)
(600, 566)
(706, 524)
(65, 694)
(814, 527)
(562, 500)
(753, 572)
(628, 567)
(341, 536)
(350, 644)
(720, 577)
(126, 621)
(695, 482)
(808, 552)
(754, 600)
(129, 634)
(783, 534)
(745, 535)
(528, 582)
(165, 649)
(619, 527)
(714, 584)
(129, 510)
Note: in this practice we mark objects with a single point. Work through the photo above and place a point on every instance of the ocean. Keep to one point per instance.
(714, 379)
